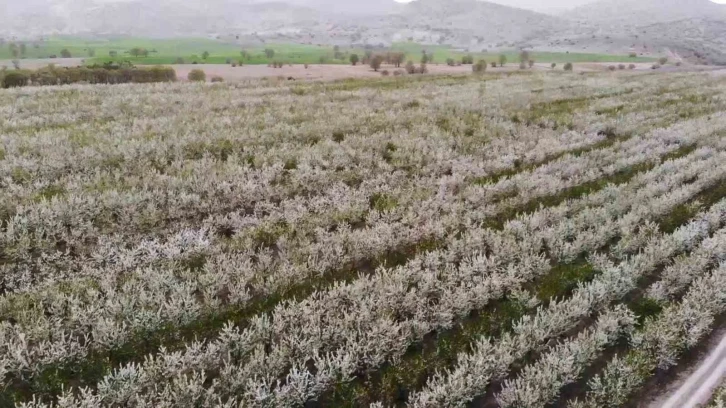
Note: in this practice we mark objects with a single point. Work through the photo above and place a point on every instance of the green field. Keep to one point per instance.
(442, 53)
(169, 51)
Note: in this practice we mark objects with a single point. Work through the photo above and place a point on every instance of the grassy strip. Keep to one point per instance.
(88, 371)
(393, 383)
(692, 109)
(603, 144)
(572, 193)
(642, 306)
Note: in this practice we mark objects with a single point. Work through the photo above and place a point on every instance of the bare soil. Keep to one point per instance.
(336, 72)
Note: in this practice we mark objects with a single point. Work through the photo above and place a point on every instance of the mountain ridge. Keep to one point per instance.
(645, 12)
(603, 26)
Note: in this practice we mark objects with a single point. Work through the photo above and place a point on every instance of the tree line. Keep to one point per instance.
(107, 74)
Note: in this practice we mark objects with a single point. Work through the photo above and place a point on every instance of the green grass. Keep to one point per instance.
(167, 51)
(441, 53)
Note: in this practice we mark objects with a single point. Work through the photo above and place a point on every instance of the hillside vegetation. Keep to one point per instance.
(649, 28)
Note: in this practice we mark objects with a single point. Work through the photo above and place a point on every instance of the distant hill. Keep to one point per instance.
(158, 18)
(361, 8)
(646, 12)
(478, 24)
(693, 29)
(465, 23)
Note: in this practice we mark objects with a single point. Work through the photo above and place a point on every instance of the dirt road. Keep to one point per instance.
(699, 387)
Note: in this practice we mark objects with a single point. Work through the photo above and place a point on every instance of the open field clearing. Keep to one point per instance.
(534, 239)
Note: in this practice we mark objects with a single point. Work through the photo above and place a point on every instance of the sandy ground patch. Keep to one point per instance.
(299, 72)
(337, 72)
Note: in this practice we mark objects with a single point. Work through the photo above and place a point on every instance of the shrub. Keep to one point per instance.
(523, 57)
(65, 53)
(502, 60)
(397, 72)
(655, 66)
(568, 66)
(450, 62)
(13, 79)
(410, 68)
(494, 64)
(612, 68)
(423, 69)
(554, 65)
(522, 65)
(376, 62)
(228, 61)
(395, 58)
(663, 60)
(631, 66)
(480, 67)
(354, 59)
(531, 63)
(621, 66)
(139, 52)
(234, 65)
(467, 59)
(217, 78)
(385, 72)
(633, 55)
(306, 66)
(197, 75)
(679, 63)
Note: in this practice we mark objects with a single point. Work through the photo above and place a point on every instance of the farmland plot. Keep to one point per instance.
(518, 241)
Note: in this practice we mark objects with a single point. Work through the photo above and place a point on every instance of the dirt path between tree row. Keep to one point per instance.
(694, 387)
